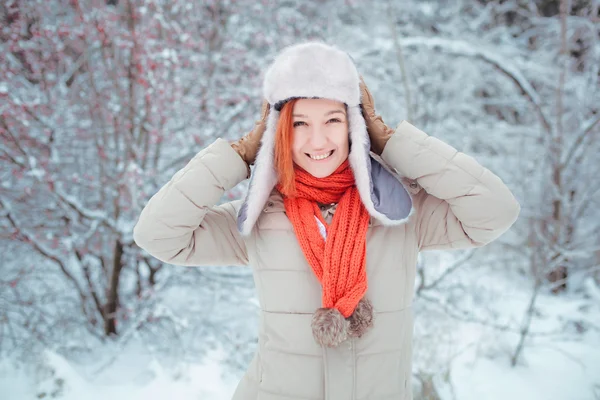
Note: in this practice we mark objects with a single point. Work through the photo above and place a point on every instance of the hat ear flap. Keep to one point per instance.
(263, 179)
(384, 196)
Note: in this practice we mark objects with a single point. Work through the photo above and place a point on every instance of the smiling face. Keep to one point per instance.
(320, 142)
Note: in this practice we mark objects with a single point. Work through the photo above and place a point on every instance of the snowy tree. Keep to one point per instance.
(516, 85)
(102, 103)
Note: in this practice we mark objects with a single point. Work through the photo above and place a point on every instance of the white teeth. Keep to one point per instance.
(321, 157)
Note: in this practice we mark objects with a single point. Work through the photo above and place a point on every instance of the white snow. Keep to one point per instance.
(563, 371)
(556, 364)
(129, 378)
(472, 83)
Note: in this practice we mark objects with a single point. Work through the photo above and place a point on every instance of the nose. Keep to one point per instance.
(318, 138)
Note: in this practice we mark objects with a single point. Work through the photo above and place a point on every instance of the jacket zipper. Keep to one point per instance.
(326, 374)
(353, 370)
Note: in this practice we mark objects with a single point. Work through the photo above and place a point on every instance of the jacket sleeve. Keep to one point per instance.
(182, 225)
(462, 204)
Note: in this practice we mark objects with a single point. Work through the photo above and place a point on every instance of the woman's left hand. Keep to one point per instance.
(379, 132)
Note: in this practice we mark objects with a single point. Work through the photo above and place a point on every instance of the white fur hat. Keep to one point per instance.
(318, 70)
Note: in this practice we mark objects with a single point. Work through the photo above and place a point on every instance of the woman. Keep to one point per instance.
(332, 233)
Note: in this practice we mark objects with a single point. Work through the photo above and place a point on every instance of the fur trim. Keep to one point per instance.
(361, 319)
(329, 327)
(360, 161)
(264, 178)
(312, 69)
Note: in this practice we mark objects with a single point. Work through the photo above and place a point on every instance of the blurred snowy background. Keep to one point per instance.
(102, 101)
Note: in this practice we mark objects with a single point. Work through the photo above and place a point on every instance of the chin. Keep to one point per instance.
(321, 171)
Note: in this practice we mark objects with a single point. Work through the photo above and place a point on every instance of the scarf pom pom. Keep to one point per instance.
(361, 319)
(329, 327)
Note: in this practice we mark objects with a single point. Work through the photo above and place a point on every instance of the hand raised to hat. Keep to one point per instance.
(379, 132)
(247, 146)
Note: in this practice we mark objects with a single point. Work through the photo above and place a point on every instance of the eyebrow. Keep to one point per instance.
(327, 113)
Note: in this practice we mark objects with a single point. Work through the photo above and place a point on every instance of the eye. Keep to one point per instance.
(334, 120)
(298, 123)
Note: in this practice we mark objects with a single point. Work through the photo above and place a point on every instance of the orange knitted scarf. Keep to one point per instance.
(339, 261)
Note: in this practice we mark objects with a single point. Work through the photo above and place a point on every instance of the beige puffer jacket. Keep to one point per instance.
(457, 204)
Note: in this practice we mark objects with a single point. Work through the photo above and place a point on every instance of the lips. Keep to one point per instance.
(320, 157)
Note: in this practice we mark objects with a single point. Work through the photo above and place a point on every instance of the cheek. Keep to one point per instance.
(296, 145)
(341, 138)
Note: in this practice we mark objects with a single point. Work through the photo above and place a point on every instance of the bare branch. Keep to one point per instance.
(457, 264)
(90, 284)
(585, 131)
(401, 64)
(465, 49)
(31, 240)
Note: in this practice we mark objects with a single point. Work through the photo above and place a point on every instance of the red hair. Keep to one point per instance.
(284, 138)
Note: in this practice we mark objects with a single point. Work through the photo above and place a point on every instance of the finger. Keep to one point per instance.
(265, 109)
(366, 97)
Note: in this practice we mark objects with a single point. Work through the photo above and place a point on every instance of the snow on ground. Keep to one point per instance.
(566, 371)
(144, 382)
(561, 365)
(560, 361)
